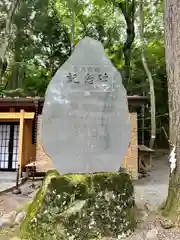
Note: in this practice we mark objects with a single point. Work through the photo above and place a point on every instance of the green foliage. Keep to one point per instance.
(41, 43)
(81, 206)
(38, 79)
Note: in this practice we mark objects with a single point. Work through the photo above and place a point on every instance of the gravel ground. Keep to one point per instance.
(10, 202)
(154, 188)
(153, 222)
(150, 193)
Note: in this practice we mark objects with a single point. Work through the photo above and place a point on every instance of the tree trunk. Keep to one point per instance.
(172, 46)
(71, 6)
(16, 67)
(5, 39)
(128, 10)
(149, 76)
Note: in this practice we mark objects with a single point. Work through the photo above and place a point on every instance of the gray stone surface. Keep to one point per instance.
(7, 176)
(7, 220)
(166, 223)
(7, 180)
(85, 121)
(152, 234)
(19, 218)
(5, 223)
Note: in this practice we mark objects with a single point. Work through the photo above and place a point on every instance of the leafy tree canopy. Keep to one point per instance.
(41, 34)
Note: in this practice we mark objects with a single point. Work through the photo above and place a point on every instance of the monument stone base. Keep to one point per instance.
(81, 206)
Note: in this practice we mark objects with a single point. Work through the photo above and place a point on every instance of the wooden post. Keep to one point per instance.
(21, 130)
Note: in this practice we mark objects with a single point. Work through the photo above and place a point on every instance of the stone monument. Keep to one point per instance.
(85, 120)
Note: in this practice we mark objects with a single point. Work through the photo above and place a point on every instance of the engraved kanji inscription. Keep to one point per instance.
(89, 79)
(72, 78)
(103, 77)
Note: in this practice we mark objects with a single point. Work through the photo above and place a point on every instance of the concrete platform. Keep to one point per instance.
(8, 176)
(7, 181)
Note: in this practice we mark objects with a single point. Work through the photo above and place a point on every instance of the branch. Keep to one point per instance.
(71, 6)
(5, 40)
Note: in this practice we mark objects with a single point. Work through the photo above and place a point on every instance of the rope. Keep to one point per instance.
(157, 116)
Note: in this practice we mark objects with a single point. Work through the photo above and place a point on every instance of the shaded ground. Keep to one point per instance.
(7, 180)
(150, 192)
(154, 188)
(10, 202)
(153, 222)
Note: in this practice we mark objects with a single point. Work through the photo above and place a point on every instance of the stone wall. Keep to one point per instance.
(44, 163)
(131, 158)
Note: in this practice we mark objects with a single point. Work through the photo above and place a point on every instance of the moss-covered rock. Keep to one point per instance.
(81, 206)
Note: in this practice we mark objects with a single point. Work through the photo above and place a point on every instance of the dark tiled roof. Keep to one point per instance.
(29, 103)
(30, 99)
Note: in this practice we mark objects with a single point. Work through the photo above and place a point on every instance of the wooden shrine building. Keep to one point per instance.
(20, 120)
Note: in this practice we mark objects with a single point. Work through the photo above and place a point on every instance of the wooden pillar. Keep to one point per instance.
(21, 130)
(124, 164)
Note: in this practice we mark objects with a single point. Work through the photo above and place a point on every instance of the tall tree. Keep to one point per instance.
(6, 37)
(150, 79)
(172, 46)
(128, 10)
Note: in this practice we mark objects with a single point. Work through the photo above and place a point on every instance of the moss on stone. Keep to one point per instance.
(81, 206)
